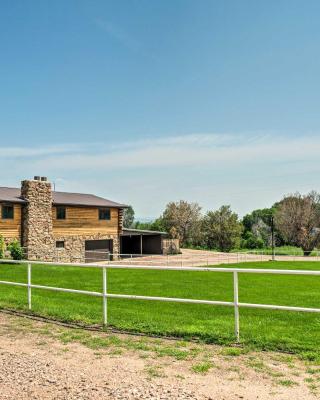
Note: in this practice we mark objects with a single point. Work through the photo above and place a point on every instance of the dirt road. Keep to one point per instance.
(40, 360)
(196, 258)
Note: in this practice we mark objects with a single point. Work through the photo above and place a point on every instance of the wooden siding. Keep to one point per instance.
(84, 221)
(11, 228)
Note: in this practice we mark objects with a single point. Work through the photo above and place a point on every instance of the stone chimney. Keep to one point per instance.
(37, 234)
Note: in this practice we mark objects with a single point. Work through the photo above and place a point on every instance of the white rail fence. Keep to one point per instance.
(184, 259)
(193, 260)
(105, 294)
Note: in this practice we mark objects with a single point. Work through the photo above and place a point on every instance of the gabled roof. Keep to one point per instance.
(81, 199)
(13, 195)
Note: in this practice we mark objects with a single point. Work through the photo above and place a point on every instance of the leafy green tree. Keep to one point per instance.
(257, 231)
(255, 216)
(185, 218)
(155, 225)
(128, 217)
(298, 219)
(222, 229)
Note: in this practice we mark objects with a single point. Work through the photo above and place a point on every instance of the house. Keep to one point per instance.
(69, 227)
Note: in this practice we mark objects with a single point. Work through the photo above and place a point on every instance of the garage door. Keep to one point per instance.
(98, 250)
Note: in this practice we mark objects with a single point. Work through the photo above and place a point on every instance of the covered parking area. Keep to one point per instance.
(136, 241)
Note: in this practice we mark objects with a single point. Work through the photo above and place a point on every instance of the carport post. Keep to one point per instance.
(141, 251)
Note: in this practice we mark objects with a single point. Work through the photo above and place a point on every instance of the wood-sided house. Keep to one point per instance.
(69, 227)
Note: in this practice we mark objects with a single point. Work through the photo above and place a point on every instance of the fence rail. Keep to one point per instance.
(105, 295)
(186, 259)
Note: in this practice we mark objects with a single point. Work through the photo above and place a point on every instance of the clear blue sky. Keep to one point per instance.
(150, 101)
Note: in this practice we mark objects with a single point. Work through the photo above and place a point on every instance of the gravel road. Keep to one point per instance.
(36, 362)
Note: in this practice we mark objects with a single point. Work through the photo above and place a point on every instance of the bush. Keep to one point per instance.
(16, 250)
(2, 247)
(251, 242)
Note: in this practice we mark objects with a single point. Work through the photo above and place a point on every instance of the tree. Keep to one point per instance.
(128, 217)
(155, 225)
(257, 229)
(185, 218)
(222, 229)
(298, 220)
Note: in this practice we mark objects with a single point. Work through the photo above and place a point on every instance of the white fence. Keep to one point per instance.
(105, 294)
(187, 259)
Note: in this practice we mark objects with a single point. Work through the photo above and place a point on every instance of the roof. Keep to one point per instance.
(81, 199)
(136, 232)
(13, 195)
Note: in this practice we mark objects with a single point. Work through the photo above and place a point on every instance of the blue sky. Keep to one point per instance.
(145, 102)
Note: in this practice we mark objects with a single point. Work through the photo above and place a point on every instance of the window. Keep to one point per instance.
(104, 213)
(60, 244)
(61, 213)
(7, 212)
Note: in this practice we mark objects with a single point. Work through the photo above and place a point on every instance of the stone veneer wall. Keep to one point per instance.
(74, 247)
(37, 236)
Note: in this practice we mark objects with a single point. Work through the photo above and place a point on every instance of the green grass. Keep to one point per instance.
(233, 351)
(280, 251)
(287, 383)
(260, 329)
(202, 368)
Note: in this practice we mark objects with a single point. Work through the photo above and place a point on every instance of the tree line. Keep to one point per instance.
(294, 221)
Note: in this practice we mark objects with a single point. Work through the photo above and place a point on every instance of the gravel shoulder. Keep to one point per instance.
(43, 360)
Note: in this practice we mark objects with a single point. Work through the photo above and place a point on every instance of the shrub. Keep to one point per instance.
(251, 242)
(2, 247)
(16, 250)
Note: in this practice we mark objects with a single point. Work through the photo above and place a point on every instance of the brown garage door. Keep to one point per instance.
(98, 250)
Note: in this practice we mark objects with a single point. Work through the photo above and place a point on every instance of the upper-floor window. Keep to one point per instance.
(7, 211)
(104, 214)
(61, 213)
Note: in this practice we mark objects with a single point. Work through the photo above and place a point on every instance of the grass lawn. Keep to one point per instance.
(262, 329)
(280, 251)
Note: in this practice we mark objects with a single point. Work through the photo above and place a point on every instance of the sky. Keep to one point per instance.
(146, 102)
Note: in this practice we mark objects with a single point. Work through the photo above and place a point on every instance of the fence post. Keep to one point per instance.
(236, 306)
(29, 286)
(104, 284)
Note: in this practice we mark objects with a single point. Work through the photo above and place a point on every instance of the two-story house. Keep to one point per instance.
(69, 227)
(53, 225)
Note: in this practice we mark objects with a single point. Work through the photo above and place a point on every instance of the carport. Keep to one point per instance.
(136, 241)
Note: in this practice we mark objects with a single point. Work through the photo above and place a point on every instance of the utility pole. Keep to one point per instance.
(272, 238)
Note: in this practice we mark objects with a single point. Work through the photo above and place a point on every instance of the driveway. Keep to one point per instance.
(44, 360)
